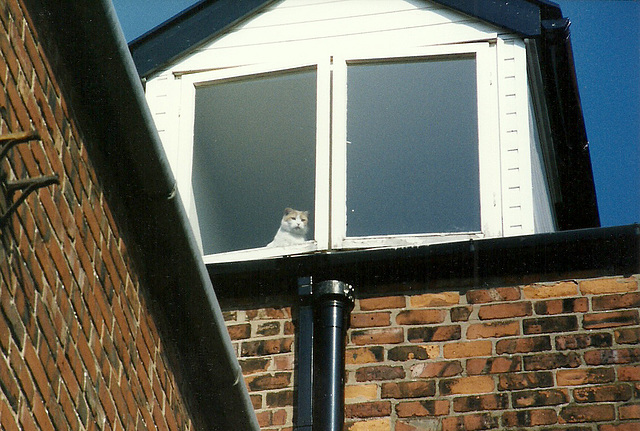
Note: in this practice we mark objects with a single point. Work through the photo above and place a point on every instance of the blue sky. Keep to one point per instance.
(606, 43)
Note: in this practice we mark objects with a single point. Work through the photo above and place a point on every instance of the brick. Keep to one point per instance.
(613, 302)
(254, 365)
(382, 303)
(461, 314)
(239, 332)
(266, 347)
(529, 418)
(268, 329)
(610, 319)
(377, 373)
(627, 336)
(368, 409)
(411, 389)
(420, 317)
(523, 345)
(467, 385)
(584, 376)
(280, 398)
(562, 306)
(603, 393)
(493, 365)
(628, 426)
(364, 355)
(500, 294)
(434, 333)
(586, 413)
(407, 353)
(505, 311)
(565, 288)
(629, 411)
(582, 341)
(518, 381)
(493, 330)
(422, 408)
(602, 286)
(544, 325)
(481, 402)
(539, 398)
(360, 392)
(269, 313)
(435, 299)
(436, 369)
(550, 361)
(268, 381)
(467, 349)
(367, 320)
(371, 425)
(612, 356)
(629, 373)
(377, 336)
(472, 422)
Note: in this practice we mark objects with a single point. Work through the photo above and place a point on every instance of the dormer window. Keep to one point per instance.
(382, 150)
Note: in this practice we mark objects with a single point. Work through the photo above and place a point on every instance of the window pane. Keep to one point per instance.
(412, 156)
(253, 156)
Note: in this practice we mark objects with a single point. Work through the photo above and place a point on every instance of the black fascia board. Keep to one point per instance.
(494, 262)
(187, 31)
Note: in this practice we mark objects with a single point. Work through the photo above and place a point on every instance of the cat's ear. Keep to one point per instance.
(288, 210)
(306, 213)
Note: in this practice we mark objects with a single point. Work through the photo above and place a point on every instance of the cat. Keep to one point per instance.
(293, 228)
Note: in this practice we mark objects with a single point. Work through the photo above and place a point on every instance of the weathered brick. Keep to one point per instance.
(254, 365)
(422, 408)
(523, 345)
(364, 355)
(239, 332)
(595, 394)
(472, 422)
(382, 303)
(377, 336)
(467, 385)
(587, 413)
(461, 314)
(529, 418)
(582, 341)
(268, 329)
(629, 411)
(505, 311)
(583, 376)
(627, 336)
(550, 361)
(266, 347)
(467, 349)
(411, 389)
(368, 409)
(565, 288)
(268, 381)
(407, 353)
(627, 426)
(562, 306)
(544, 325)
(370, 425)
(361, 392)
(612, 356)
(500, 294)
(381, 372)
(613, 302)
(602, 286)
(280, 398)
(610, 319)
(539, 398)
(629, 373)
(481, 402)
(420, 317)
(434, 333)
(518, 381)
(435, 299)
(494, 365)
(367, 320)
(436, 369)
(493, 330)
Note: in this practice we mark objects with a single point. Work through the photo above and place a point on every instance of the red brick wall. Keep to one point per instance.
(562, 355)
(78, 346)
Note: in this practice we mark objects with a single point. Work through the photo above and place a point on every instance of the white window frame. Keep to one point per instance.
(330, 176)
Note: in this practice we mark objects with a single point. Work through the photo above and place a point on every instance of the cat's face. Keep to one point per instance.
(295, 221)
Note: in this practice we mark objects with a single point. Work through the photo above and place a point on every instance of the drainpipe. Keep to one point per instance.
(332, 303)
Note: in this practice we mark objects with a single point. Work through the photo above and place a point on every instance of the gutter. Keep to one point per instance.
(92, 63)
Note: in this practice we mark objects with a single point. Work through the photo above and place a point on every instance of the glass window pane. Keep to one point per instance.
(412, 152)
(253, 156)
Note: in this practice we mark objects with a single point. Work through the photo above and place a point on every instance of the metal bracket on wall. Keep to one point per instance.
(27, 185)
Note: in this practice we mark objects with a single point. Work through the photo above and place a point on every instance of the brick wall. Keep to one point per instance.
(562, 355)
(79, 348)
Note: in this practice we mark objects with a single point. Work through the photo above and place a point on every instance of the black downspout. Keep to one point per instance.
(332, 303)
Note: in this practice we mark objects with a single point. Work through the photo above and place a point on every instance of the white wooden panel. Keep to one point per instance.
(543, 213)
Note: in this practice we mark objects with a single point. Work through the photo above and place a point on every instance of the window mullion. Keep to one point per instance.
(338, 152)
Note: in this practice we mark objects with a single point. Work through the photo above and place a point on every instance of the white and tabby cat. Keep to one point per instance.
(293, 228)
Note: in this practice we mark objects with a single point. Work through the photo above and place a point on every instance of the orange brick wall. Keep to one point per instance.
(78, 346)
(562, 355)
